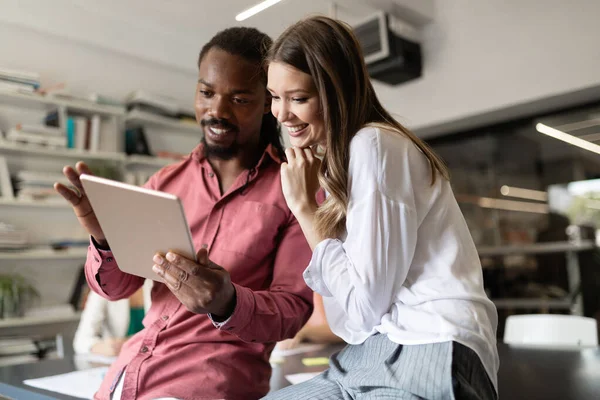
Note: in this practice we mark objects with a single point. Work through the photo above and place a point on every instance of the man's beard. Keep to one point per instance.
(217, 151)
(224, 153)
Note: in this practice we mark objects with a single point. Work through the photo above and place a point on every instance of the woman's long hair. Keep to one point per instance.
(328, 51)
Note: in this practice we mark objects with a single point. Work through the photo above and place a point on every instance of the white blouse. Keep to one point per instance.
(407, 266)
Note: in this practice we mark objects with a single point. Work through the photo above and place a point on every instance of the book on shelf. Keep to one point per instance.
(53, 119)
(135, 141)
(84, 133)
(152, 102)
(35, 186)
(19, 74)
(6, 186)
(16, 135)
(65, 94)
(13, 238)
(15, 87)
(105, 100)
(19, 81)
(40, 129)
(94, 134)
(81, 130)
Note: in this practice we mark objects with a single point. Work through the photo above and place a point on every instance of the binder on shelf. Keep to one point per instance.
(6, 188)
(135, 142)
(94, 144)
(52, 119)
(70, 133)
(81, 128)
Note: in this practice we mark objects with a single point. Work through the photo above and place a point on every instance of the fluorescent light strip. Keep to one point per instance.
(511, 191)
(499, 204)
(255, 9)
(512, 205)
(565, 137)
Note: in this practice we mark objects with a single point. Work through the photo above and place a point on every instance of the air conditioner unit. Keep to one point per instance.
(390, 57)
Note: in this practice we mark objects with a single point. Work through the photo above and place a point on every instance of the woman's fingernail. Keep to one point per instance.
(158, 259)
(156, 269)
(170, 256)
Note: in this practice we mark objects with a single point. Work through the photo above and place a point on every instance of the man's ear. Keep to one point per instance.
(268, 99)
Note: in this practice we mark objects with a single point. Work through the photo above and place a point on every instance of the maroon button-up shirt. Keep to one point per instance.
(250, 232)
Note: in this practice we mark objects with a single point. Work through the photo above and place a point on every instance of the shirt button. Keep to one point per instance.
(144, 349)
(211, 174)
(109, 259)
(230, 328)
(165, 317)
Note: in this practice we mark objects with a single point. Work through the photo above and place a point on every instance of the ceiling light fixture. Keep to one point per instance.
(565, 137)
(255, 9)
(511, 191)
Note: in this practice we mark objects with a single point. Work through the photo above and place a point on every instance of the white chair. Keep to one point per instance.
(551, 330)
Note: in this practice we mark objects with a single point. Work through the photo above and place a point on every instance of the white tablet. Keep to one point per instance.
(138, 223)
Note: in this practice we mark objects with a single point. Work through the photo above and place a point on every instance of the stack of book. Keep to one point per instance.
(149, 102)
(50, 136)
(18, 81)
(38, 186)
(141, 100)
(12, 238)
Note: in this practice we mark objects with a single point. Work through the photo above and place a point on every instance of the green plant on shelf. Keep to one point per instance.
(16, 295)
(105, 170)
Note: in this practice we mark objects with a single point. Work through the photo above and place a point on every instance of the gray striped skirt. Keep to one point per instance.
(382, 369)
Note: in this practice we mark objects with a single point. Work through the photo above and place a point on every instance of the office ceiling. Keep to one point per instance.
(202, 18)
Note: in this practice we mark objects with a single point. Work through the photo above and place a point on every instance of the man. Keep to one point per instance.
(212, 326)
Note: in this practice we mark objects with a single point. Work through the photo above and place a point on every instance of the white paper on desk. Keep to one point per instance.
(82, 384)
(302, 377)
(302, 348)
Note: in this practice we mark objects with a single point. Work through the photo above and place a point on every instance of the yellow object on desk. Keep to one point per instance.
(314, 361)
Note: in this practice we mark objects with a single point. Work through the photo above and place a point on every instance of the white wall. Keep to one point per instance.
(116, 65)
(484, 55)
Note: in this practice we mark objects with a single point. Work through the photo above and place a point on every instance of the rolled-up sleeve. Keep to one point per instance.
(280, 312)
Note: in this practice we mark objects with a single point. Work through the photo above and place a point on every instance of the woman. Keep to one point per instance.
(106, 325)
(392, 255)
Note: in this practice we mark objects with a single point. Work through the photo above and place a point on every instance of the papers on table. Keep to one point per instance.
(302, 377)
(82, 384)
(302, 348)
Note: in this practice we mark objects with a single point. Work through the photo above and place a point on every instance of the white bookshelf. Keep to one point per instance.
(137, 117)
(45, 253)
(39, 102)
(7, 147)
(52, 204)
(53, 220)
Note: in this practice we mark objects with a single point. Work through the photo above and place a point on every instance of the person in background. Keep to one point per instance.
(316, 330)
(213, 324)
(105, 325)
(392, 256)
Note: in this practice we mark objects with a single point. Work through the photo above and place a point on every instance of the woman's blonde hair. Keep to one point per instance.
(328, 51)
